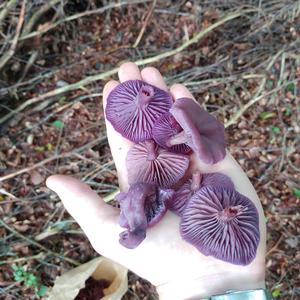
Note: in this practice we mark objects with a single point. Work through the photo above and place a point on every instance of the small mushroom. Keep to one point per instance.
(222, 223)
(187, 190)
(141, 207)
(147, 162)
(184, 194)
(166, 127)
(133, 106)
(201, 131)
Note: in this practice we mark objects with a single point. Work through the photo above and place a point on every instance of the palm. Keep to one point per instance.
(163, 257)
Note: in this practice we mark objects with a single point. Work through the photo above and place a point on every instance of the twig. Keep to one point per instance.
(95, 171)
(48, 232)
(220, 80)
(111, 196)
(283, 149)
(257, 95)
(32, 242)
(16, 260)
(7, 56)
(34, 80)
(44, 29)
(6, 9)
(243, 109)
(275, 246)
(93, 78)
(29, 63)
(145, 24)
(52, 231)
(67, 88)
(4, 192)
(43, 9)
(41, 163)
(47, 160)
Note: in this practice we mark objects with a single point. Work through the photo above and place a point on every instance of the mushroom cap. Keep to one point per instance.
(132, 214)
(204, 133)
(222, 223)
(155, 206)
(133, 106)
(187, 190)
(147, 162)
(181, 198)
(216, 180)
(164, 128)
(141, 207)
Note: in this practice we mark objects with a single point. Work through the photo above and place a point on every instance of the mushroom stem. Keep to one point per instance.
(196, 180)
(145, 95)
(179, 138)
(151, 149)
(230, 213)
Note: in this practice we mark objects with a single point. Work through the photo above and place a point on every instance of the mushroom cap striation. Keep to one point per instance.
(222, 223)
(133, 106)
(147, 162)
(201, 131)
(184, 193)
(192, 185)
(166, 127)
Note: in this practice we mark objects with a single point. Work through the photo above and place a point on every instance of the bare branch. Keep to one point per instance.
(8, 55)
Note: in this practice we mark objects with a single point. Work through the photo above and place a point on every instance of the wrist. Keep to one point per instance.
(205, 287)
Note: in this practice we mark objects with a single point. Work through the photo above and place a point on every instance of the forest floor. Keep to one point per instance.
(241, 59)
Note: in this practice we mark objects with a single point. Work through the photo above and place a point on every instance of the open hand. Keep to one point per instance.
(176, 268)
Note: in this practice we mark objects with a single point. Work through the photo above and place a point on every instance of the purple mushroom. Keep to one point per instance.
(147, 162)
(184, 194)
(166, 127)
(141, 207)
(201, 131)
(217, 180)
(133, 106)
(222, 223)
(187, 190)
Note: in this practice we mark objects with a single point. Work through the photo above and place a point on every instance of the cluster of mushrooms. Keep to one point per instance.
(214, 217)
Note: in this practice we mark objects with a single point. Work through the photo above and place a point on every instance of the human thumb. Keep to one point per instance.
(95, 217)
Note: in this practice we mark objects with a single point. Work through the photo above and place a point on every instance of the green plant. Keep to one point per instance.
(275, 129)
(58, 124)
(29, 280)
(276, 292)
(296, 192)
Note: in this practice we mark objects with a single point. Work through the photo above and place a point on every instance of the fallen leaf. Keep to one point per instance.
(36, 178)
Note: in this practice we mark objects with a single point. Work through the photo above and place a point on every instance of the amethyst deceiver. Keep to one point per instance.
(184, 194)
(222, 223)
(217, 180)
(141, 207)
(201, 131)
(133, 106)
(166, 127)
(147, 162)
(192, 185)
